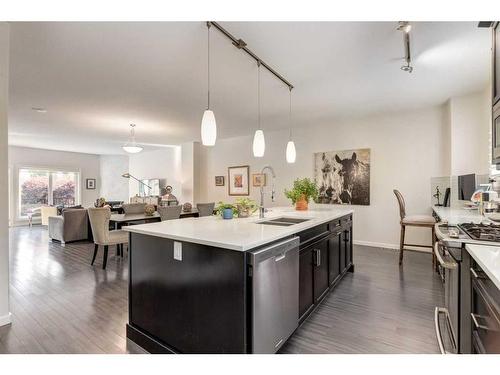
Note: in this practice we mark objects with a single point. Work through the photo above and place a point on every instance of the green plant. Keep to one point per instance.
(246, 204)
(302, 187)
(221, 206)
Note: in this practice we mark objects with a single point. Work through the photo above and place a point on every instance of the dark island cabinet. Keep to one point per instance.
(335, 247)
(320, 252)
(325, 257)
(306, 288)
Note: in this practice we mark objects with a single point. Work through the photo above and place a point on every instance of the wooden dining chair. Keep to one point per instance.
(99, 222)
(423, 221)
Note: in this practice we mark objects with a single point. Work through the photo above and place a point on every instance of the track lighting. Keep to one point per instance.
(405, 27)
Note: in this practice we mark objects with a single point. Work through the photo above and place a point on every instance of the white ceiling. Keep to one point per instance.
(96, 78)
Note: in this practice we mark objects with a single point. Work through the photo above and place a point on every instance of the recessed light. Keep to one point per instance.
(39, 109)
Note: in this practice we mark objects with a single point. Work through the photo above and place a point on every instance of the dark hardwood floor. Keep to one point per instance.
(60, 304)
(380, 308)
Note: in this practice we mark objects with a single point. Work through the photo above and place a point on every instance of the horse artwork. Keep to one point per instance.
(343, 177)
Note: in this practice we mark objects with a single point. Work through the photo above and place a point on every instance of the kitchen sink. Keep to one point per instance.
(283, 221)
(292, 220)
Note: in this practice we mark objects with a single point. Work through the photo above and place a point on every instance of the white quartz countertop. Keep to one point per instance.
(238, 234)
(459, 215)
(488, 258)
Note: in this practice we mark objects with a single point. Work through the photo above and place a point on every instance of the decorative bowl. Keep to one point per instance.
(149, 210)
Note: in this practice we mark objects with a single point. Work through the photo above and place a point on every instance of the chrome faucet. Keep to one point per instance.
(262, 210)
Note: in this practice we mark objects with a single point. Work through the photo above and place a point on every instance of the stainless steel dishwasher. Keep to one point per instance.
(275, 294)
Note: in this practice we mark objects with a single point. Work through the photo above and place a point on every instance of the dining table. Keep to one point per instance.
(119, 220)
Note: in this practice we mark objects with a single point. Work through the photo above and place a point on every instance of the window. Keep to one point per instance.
(39, 187)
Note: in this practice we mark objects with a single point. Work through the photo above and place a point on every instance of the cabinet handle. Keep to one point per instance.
(317, 253)
(476, 275)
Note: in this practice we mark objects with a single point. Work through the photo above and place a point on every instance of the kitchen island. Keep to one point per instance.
(192, 281)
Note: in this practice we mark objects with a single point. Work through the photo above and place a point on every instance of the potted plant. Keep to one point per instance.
(303, 190)
(226, 210)
(245, 207)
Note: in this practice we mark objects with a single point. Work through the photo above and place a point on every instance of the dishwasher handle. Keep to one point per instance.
(277, 250)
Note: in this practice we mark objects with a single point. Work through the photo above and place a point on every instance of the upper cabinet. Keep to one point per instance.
(496, 62)
(495, 65)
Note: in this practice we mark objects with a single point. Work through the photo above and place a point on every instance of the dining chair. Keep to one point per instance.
(205, 209)
(422, 221)
(99, 222)
(169, 212)
(133, 208)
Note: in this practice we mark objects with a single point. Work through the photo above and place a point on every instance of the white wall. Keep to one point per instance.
(4, 195)
(164, 163)
(113, 186)
(86, 164)
(470, 128)
(406, 151)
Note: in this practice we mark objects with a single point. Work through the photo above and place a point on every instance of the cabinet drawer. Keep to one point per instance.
(485, 318)
(346, 221)
(308, 236)
(335, 225)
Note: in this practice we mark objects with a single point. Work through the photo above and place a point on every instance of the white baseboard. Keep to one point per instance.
(6, 319)
(391, 246)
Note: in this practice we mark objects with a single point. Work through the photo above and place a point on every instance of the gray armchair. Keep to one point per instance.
(72, 225)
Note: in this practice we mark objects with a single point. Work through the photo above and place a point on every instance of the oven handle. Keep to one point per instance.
(442, 262)
(476, 323)
(437, 312)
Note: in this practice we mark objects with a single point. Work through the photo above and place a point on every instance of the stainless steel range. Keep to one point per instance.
(452, 319)
(482, 232)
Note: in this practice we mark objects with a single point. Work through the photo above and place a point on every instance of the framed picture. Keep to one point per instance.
(219, 180)
(238, 180)
(259, 179)
(343, 177)
(90, 183)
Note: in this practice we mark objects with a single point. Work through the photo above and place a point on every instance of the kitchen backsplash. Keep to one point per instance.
(452, 182)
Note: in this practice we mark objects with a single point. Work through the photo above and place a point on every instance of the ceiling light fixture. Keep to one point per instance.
(131, 146)
(259, 142)
(405, 27)
(208, 124)
(291, 154)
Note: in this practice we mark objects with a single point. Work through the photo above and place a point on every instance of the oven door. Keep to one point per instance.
(446, 317)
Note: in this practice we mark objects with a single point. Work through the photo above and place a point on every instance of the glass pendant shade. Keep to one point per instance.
(291, 154)
(132, 149)
(259, 144)
(208, 128)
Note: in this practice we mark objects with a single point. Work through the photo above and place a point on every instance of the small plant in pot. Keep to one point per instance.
(226, 210)
(303, 190)
(246, 207)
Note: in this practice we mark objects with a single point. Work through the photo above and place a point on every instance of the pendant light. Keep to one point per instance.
(259, 143)
(208, 124)
(291, 154)
(131, 146)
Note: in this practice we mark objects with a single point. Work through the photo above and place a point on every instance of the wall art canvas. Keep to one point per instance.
(343, 177)
(238, 180)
